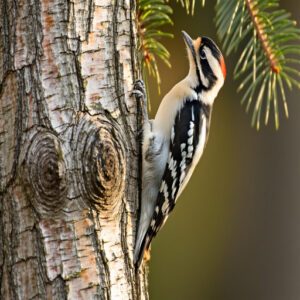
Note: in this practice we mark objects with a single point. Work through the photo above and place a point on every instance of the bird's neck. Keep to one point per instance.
(194, 79)
(206, 95)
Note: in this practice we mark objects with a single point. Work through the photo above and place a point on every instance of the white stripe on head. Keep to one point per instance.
(203, 79)
(209, 96)
(213, 63)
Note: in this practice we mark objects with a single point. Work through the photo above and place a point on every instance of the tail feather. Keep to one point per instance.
(144, 236)
(139, 251)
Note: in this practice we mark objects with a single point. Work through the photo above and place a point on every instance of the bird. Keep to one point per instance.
(173, 142)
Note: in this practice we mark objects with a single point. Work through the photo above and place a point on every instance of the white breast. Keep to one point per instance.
(170, 105)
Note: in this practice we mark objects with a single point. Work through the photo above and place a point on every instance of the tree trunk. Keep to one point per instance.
(69, 153)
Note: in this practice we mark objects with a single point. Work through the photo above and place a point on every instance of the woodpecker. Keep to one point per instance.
(174, 140)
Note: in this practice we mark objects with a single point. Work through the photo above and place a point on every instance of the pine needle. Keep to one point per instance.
(266, 66)
(153, 15)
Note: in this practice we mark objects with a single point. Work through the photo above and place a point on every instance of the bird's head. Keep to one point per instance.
(207, 65)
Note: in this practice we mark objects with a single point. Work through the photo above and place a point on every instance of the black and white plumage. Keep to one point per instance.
(174, 141)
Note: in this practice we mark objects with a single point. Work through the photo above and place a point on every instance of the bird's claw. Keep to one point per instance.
(139, 90)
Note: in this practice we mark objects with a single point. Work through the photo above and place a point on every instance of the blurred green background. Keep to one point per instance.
(235, 232)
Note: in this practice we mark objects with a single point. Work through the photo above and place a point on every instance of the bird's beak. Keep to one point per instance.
(188, 40)
(191, 47)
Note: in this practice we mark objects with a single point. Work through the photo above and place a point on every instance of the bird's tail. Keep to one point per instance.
(139, 251)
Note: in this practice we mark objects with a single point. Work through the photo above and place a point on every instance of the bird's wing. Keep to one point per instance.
(187, 142)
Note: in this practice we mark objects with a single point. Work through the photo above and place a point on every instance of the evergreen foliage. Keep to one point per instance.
(266, 64)
(264, 34)
(152, 16)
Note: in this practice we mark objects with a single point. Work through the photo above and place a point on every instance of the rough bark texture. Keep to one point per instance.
(68, 150)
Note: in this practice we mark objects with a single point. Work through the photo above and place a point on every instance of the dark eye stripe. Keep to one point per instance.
(208, 73)
(202, 53)
(212, 46)
(206, 69)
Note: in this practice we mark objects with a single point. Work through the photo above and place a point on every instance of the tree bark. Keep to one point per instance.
(69, 152)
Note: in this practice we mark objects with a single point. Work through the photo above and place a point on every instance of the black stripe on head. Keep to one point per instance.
(206, 69)
(206, 41)
(208, 73)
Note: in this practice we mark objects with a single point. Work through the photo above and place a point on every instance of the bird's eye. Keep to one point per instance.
(202, 54)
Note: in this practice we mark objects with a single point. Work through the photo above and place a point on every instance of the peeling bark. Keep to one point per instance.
(69, 152)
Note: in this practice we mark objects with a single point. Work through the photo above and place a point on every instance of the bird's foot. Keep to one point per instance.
(139, 90)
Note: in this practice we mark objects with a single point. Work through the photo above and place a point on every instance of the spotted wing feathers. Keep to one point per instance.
(183, 144)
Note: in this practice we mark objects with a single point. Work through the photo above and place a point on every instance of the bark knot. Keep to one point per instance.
(46, 172)
(103, 165)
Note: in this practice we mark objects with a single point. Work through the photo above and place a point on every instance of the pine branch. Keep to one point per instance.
(268, 36)
(262, 37)
(153, 15)
(189, 5)
(271, 51)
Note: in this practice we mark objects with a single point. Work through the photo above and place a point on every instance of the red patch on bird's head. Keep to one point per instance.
(223, 66)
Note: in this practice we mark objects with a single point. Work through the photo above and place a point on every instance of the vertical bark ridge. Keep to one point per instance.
(68, 150)
(118, 78)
